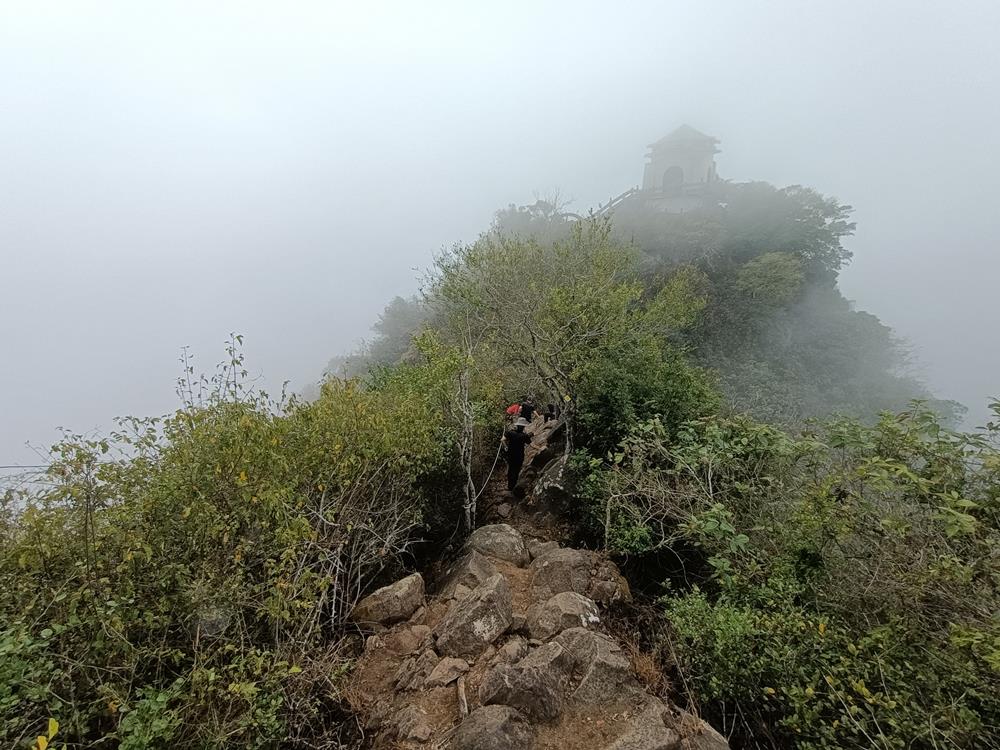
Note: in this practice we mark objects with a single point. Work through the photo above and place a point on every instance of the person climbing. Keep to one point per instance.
(527, 409)
(513, 410)
(516, 439)
(550, 413)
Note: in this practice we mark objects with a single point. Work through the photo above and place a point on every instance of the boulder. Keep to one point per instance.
(493, 728)
(607, 584)
(472, 624)
(554, 488)
(446, 672)
(547, 443)
(603, 670)
(500, 541)
(552, 657)
(647, 737)
(535, 685)
(504, 510)
(466, 574)
(558, 570)
(537, 548)
(648, 732)
(563, 611)
(391, 603)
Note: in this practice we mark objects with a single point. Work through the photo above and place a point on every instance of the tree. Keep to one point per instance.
(558, 310)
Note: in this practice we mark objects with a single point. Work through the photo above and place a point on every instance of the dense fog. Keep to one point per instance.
(172, 172)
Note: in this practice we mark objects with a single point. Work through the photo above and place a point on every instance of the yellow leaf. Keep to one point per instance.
(243, 477)
(53, 728)
(186, 512)
(822, 628)
(41, 743)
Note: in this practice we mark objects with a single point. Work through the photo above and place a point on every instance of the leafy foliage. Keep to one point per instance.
(184, 580)
(844, 586)
(575, 316)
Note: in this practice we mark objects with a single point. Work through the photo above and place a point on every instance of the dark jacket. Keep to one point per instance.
(516, 440)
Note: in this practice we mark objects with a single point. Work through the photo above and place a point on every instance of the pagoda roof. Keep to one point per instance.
(684, 135)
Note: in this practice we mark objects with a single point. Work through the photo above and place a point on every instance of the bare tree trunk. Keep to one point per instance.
(466, 435)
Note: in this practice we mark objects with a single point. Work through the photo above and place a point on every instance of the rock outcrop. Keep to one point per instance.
(493, 728)
(563, 611)
(508, 654)
(587, 573)
(391, 603)
(472, 624)
(501, 542)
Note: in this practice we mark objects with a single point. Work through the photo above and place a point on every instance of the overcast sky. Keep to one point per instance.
(172, 171)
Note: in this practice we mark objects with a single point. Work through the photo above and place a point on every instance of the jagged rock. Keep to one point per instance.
(560, 570)
(536, 694)
(603, 668)
(447, 671)
(608, 585)
(548, 440)
(413, 672)
(565, 610)
(550, 656)
(513, 650)
(534, 685)
(504, 510)
(412, 724)
(472, 624)
(408, 640)
(373, 642)
(647, 731)
(468, 572)
(553, 487)
(518, 623)
(537, 548)
(587, 573)
(391, 603)
(500, 541)
(494, 728)
(418, 617)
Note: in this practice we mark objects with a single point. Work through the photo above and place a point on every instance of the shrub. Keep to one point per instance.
(184, 580)
(849, 583)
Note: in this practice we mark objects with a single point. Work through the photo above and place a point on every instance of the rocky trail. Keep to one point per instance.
(506, 650)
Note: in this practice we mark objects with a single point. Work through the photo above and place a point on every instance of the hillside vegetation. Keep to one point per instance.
(811, 580)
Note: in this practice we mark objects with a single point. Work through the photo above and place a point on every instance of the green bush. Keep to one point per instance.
(847, 584)
(183, 581)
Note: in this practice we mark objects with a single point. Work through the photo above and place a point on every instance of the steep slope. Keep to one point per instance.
(509, 650)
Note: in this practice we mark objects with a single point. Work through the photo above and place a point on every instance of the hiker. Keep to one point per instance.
(516, 439)
(550, 413)
(527, 409)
